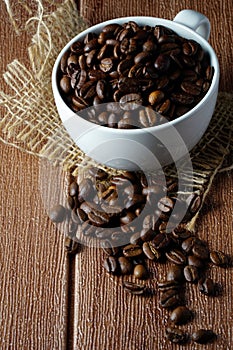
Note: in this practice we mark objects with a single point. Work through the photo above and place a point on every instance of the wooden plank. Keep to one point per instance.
(34, 267)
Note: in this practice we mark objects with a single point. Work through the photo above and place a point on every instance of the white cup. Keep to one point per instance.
(147, 148)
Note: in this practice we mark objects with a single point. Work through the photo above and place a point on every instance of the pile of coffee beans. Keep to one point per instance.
(131, 217)
(129, 66)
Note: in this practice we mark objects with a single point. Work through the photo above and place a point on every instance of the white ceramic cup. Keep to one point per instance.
(147, 148)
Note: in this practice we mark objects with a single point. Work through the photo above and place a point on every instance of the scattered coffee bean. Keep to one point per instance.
(176, 335)
(175, 273)
(206, 286)
(132, 250)
(176, 256)
(170, 298)
(140, 272)
(203, 336)
(110, 264)
(191, 273)
(181, 315)
(71, 246)
(57, 213)
(218, 258)
(125, 264)
(134, 288)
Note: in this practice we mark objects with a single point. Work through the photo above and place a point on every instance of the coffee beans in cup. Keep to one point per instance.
(142, 76)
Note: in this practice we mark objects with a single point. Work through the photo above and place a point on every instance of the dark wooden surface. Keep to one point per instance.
(51, 302)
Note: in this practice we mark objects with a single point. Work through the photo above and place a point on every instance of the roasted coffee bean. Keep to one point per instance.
(98, 218)
(175, 273)
(78, 216)
(130, 101)
(191, 273)
(140, 272)
(150, 252)
(125, 265)
(156, 97)
(128, 217)
(98, 173)
(162, 63)
(71, 246)
(132, 250)
(206, 286)
(187, 244)
(111, 264)
(200, 250)
(165, 204)
(73, 190)
(57, 213)
(161, 241)
(203, 336)
(168, 285)
(195, 261)
(181, 232)
(176, 256)
(147, 235)
(181, 315)
(170, 298)
(147, 65)
(134, 288)
(86, 190)
(176, 335)
(219, 258)
(65, 84)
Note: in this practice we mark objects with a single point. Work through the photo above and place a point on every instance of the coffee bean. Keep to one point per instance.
(78, 216)
(195, 261)
(170, 298)
(130, 101)
(140, 272)
(176, 256)
(161, 241)
(206, 286)
(187, 244)
(200, 250)
(132, 250)
(219, 258)
(165, 204)
(150, 252)
(156, 97)
(136, 238)
(176, 335)
(71, 246)
(168, 285)
(73, 190)
(161, 69)
(86, 190)
(98, 218)
(125, 264)
(181, 315)
(133, 288)
(203, 336)
(111, 264)
(57, 213)
(175, 273)
(191, 273)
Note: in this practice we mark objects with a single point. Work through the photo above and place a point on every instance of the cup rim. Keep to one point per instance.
(97, 27)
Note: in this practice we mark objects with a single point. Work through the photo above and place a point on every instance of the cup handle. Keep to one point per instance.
(194, 20)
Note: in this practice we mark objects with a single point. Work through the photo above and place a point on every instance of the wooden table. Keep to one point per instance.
(51, 301)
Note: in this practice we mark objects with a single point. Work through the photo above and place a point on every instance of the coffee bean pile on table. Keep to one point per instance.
(129, 66)
(105, 208)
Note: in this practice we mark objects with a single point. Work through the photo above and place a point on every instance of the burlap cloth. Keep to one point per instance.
(32, 124)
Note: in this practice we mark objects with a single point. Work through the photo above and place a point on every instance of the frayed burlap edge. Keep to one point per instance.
(31, 122)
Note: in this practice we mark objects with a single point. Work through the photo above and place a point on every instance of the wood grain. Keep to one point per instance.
(34, 271)
(49, 301)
